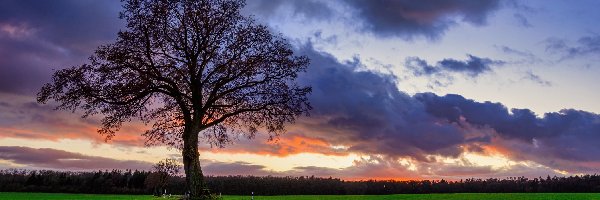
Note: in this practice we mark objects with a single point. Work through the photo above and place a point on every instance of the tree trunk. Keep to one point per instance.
(191, 164)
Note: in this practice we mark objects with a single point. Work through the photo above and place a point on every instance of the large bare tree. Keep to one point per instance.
(196, 70)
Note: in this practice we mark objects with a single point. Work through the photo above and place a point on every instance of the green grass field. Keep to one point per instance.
(56, 196)
(493, 196)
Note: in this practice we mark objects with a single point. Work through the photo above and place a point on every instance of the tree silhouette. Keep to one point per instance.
(194, 69)
(163, 171)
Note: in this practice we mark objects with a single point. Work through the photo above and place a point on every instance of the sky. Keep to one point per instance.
(431, 89)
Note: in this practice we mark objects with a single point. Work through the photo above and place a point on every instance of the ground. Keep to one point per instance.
(470, 196)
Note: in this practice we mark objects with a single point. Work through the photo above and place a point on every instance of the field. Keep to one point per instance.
(492, 196)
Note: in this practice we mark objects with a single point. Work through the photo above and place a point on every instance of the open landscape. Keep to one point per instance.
(300, 99)
(471, 196)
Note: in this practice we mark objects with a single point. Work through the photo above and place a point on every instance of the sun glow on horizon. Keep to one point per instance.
(285, 163)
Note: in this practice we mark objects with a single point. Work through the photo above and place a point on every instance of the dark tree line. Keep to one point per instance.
(98, 182)
(240, 185)
(145, 182)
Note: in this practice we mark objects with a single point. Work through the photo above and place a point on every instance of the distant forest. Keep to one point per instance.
(146, 182)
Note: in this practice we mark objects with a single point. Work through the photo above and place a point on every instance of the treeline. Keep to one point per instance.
(240, 185)
(145, 182)
(99, 182)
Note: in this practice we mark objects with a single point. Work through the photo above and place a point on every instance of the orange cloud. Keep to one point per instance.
(288, 144)
(295, 144)
(25, 119)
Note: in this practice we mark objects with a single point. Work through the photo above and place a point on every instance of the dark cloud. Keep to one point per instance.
(473, 66)
(311, 9)
(587, 45)
(38, 36)
(420, 67)
(430, 18)
(72, 24)
(366, 109)
(64, 160)
(385, 18)
(366, 112)
(567, 135)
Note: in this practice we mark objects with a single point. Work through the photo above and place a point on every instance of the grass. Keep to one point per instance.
(463, 196)
(62, 196)
(466, 196)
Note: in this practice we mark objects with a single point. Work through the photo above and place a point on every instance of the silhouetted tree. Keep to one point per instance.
(191, 68)
(163, 171)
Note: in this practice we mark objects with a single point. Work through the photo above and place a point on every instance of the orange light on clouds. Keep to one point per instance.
(286, 145)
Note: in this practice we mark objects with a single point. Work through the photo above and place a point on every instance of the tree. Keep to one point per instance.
(194, 69)
(163, 171)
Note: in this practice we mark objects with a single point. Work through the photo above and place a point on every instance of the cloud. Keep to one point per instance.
(292, 143)
(365, 111)
(363, 169)
(473, 66)
(526, 56)
(63, 160)
(509, 50)
(419, 18)
(564, 139)
(214, 168)
(22, 117)
(372, 167)
(362, 111)
(36, 37)
(518, 123)
(381, 168)
(383, 18)
(522, 20)
(74, 24)
(443, 72)
(536, 79)
(420, 67)
(311, 9)
(587, 45)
